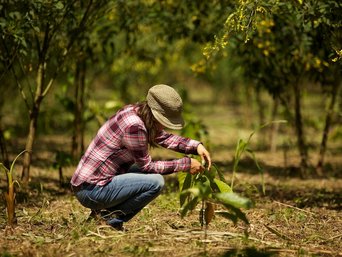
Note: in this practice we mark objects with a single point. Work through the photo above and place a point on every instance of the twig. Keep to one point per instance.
(96, 234)
(278, 233)
(293, 207)
(333, 237)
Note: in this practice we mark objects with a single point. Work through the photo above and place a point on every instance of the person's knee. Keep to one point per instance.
(158, 182)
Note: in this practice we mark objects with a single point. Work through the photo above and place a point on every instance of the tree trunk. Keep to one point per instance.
(249, 103)
(329, 114)
(3, 148)
(78, 130)
(34, 112)
(261, 107)
(299, 131)
(29, 145)
(274, 126)
(261, 112)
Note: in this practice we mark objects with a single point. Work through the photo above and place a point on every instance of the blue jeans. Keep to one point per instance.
(124, 196)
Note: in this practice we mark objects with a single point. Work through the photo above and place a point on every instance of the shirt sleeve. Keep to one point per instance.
(135, 140)
(177, 143)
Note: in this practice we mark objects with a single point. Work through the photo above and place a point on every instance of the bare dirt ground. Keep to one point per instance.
(296, 217)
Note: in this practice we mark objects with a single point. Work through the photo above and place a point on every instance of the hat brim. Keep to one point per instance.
(176, 123)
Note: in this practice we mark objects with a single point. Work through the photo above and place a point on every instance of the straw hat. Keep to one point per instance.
(166, 106)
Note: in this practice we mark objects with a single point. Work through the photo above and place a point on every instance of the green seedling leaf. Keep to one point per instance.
(219, 173)
(209, 174)
(237, 213)
(203, 184)
(222, 186)
(194, 191)
(184, 180)
(229, 216)
(16, 158)
(182, 177)
(234, 200)
(189, 206)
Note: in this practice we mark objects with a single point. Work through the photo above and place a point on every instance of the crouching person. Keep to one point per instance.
(116, 177)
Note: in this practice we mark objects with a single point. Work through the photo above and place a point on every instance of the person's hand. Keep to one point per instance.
(205, 156)
(196, 167)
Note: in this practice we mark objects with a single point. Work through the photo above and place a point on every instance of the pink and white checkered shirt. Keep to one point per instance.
(121, 142)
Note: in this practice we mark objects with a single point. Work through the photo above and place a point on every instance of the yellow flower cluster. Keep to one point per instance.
(315, 63)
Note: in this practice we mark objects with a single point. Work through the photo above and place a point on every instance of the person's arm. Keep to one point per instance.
(184, 145)
(135, 140)
(177, 143)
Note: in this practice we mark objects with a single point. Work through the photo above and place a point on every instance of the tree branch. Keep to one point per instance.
(10, 66)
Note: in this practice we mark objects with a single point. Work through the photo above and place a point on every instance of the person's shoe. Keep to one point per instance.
(94, 215)
(116, 224)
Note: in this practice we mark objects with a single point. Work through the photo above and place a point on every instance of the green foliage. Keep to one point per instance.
(256, 35)
(9, 172)
(243, 147)
(211, 187)
(207, 188)
(195, 128)
(62, 159)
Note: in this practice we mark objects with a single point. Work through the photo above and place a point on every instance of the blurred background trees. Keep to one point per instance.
(72, 64)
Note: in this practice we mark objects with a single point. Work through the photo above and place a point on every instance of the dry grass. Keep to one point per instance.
(296, 217)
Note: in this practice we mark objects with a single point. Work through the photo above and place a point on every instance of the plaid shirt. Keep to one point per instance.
(121, 142)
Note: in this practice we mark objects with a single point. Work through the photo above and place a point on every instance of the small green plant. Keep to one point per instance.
(10, 194)
(243, 147)
(210, 188)
(62, 159)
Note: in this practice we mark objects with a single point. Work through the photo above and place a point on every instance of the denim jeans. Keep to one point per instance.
(124, 196)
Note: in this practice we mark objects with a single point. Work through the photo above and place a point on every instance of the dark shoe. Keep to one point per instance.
(116, 224)
(94, 215)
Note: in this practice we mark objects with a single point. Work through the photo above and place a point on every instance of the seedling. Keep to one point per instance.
(62, 159)
(243, 147)
(210, 188)
(10, 194)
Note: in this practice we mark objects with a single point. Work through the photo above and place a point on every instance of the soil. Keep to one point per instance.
(295, 217)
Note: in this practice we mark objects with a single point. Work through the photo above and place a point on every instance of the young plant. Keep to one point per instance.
(62, 159)
(10, 194)
(243, 147)
(210, 188)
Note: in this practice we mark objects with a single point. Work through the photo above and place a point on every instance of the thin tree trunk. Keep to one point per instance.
(329, 114)
(261, 112)
(29, 145)
(299, 131)
(249, 102)
(274, 126)
(83, 86)
(261, 107)
(78, 131)
(3, 148)
(34, 112)
(74, 143)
